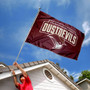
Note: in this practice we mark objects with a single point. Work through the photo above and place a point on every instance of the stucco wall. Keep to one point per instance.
(85, 86)
(39, 82)
(7, 84)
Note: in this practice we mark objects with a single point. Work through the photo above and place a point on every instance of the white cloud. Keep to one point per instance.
(21, 34)
(86, 28)
(4, 56)
(9, 58)
(18, 35)
(76, 76)
(36, 3)
(39, 53)
(67, 72)
(32, 3)
(62, 2)
(45, 54)
(83, 14)
(28, 3)
(84, 11)
(86, 42)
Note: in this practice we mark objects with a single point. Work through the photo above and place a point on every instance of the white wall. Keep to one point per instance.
(39, 82)
(7, 84)
(85, 86)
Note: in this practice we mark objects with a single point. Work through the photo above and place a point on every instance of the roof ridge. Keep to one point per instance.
(23, 65)
(85, 79)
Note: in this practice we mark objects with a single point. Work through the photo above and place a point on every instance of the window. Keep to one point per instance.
(48, 74)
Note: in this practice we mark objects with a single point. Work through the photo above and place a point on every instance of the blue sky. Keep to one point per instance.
(16, 19)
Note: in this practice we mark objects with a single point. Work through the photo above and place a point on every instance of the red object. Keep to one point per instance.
(56, 36)
(26, 85)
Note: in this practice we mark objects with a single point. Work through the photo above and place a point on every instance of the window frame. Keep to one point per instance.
(51, 80)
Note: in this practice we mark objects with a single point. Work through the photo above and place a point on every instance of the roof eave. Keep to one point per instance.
(49, 66)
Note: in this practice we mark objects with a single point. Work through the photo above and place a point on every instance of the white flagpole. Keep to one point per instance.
(26, 37)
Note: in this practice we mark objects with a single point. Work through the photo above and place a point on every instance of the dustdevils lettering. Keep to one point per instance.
(67, 35)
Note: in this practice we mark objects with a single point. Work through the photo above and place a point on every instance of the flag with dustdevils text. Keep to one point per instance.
(56, 36)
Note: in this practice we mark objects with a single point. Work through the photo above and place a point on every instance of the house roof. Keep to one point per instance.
(52, 66)
(84, 80)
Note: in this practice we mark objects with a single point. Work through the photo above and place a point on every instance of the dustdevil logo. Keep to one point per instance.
(59, 33)
(58, 44)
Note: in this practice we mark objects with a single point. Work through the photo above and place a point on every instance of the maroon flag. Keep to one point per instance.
(56, 36)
